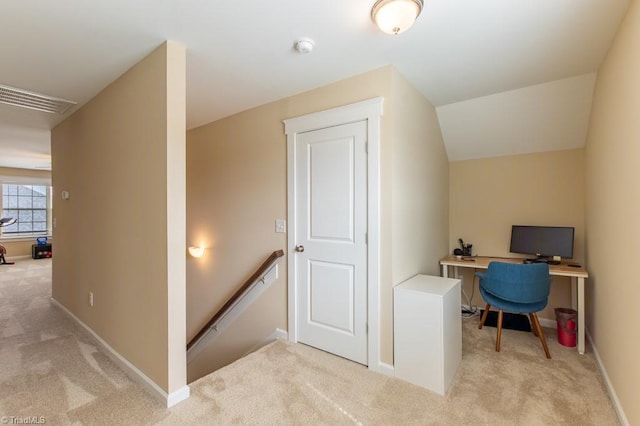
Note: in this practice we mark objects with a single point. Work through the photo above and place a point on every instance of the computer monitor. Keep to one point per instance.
(542, 241)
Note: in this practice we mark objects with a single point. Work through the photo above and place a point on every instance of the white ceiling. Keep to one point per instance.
(240, 54)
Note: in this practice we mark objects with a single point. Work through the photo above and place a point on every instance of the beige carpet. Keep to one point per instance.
(51, 368)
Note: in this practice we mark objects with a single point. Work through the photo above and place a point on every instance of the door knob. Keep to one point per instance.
(299, 249)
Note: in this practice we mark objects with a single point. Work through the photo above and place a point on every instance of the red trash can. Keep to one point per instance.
(566, 319)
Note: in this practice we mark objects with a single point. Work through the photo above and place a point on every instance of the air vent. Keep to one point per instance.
(37, 101)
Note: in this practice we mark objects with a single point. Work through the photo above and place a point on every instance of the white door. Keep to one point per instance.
(331, 247)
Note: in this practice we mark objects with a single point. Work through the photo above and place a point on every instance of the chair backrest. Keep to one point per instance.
(517, 282)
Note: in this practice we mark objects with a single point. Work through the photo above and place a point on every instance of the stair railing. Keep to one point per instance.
(217, 318)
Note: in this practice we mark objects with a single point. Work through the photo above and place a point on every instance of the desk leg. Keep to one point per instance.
(445, 271)
(581, 324)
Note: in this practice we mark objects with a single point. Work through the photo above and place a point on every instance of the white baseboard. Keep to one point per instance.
(281, 334)
(278, 334)
(132, 371)
(379, 367)
(13, 258)
(384, 368)
(548, 323)
(612, 392)
(178, 396)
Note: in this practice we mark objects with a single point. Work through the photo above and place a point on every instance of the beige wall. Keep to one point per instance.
(237, 188)
(27, 177)
(236, 177)
(612, 212)
(420, 184)
(20, 248)
(487, 196)
(419, 194)
(121, 233)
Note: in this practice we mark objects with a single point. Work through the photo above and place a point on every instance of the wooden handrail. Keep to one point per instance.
(236, 296)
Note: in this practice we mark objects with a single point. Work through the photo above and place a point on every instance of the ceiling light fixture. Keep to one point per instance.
(396, 16)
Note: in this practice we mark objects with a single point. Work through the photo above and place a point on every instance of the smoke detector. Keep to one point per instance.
(304, 45)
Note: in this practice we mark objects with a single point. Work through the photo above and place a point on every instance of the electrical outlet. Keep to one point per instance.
(280, 226)
(91, 298)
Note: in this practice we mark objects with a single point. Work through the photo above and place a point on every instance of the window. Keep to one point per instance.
(30, 205)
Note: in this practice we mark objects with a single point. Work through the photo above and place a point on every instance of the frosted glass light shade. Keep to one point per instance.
(196, 251)
(395, 16)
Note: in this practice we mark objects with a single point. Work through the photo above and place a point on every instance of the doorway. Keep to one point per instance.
(333, 246)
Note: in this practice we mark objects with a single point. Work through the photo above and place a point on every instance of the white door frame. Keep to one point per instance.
(371, 111)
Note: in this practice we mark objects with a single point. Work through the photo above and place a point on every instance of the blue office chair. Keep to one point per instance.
(515, 287)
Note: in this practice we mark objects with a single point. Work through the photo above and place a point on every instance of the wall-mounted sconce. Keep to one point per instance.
(196, 251)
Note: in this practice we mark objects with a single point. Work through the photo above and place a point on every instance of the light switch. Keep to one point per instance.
(281, 226)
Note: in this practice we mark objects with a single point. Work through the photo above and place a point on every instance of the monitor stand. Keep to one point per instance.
(542, 259)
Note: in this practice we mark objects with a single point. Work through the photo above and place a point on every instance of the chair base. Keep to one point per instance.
(535, 326)
(510, 320)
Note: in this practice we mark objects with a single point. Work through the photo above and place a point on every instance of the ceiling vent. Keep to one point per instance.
(37, 101)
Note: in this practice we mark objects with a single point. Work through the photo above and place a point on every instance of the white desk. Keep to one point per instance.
(577, 280)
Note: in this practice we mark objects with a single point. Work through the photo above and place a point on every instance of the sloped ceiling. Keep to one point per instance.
(240, 54)
(545, 117)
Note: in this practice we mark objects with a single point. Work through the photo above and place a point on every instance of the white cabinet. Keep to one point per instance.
(427, 331)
